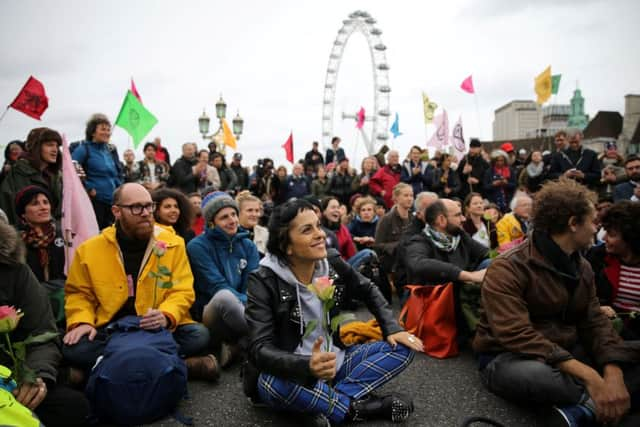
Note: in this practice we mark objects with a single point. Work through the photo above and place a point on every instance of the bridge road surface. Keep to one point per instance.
(445, 392)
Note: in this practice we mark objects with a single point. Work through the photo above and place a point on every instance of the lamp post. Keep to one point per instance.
(218, 137)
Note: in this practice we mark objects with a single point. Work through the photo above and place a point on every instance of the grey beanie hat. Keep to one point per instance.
(214, 204)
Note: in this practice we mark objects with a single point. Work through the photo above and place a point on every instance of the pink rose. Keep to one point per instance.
(323, 288)
(9, 318)
(160, 248)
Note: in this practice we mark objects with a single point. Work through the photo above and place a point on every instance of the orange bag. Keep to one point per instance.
(429, 314)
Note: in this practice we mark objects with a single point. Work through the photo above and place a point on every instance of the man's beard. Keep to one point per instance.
(136, 231)
(453, 230)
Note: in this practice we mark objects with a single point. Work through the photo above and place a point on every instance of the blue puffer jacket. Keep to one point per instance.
(100, 164)
(219, 261)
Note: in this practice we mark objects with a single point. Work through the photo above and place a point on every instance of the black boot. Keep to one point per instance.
(395, 408)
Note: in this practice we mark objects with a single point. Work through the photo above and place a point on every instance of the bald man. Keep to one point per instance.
(109, 279)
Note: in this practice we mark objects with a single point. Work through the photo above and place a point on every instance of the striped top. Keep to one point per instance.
(628, 297)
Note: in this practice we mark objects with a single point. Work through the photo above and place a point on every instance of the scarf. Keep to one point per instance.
(40, 239)
(442, 241)
(504, 171)
(534, 170)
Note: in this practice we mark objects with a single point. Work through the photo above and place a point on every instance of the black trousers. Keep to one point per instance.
(63, 407)
(104, 216)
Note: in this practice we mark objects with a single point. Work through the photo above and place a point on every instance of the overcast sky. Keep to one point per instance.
(269, 60)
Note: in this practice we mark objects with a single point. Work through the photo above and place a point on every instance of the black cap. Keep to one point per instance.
(475, 142)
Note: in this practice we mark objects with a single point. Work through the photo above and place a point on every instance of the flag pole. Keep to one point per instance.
(475, 99)
(4, 113)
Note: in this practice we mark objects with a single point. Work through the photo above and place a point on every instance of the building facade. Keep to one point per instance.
(517, 120)
(554, 118)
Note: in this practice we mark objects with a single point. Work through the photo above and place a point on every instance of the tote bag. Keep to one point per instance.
(429, 314)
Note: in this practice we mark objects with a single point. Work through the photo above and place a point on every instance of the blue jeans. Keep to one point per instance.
(361, 257)
(192, 339)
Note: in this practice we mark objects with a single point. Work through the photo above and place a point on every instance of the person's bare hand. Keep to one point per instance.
(472, 180)
(472, 276)
(73, 336)
(92, 193)
(322, 363)
(407, 339)
(31, 394)
(153, 319)
(608, 311)
(610, 396)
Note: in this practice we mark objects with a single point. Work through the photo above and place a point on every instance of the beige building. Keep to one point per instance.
(518, 119)
(628, 141)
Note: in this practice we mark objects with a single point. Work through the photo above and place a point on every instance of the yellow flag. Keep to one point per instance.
(543, 86)
(229, 139)
(429, 108)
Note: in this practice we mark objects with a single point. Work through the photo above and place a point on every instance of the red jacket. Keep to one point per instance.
(385, 179)
(345, 243)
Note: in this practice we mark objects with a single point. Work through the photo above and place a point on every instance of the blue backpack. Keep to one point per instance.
(140, 377)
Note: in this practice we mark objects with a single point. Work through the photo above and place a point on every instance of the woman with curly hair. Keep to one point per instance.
(173, 212)
(616, 266)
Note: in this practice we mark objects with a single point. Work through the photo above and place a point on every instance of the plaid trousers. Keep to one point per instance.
(365, 368)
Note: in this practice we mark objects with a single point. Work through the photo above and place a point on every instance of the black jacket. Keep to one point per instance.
(182, 176)
(587, 163)
(273, 317)
(21, 289)
(479, 167)
(428, 265)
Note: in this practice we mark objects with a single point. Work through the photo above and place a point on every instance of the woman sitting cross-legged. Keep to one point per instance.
(288, 361)
(221, 259)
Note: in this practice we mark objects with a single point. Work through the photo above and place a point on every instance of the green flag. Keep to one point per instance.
(135, 119)
(555, 83)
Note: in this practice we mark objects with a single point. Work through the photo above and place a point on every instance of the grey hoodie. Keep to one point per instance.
(310, 305)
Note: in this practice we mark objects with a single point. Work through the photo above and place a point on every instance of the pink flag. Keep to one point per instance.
(360, 117)
(440, 138)
(134, 91)
(467, 85)
(78, 218)
(457, 139)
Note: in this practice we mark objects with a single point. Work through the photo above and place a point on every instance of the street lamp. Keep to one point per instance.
(221, 111)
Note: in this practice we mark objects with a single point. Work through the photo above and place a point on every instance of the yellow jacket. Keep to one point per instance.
(508, 229)
(97, 288)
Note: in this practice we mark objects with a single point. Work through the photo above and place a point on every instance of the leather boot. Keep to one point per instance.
(203, 368)
(395, 408)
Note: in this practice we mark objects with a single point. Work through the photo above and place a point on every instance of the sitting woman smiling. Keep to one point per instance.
(291, 367)
(173, 212)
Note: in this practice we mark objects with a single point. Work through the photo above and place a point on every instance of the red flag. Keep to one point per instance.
(134, 91)
(467, 85)
(32, 100)
(288, 148)
(360, 117)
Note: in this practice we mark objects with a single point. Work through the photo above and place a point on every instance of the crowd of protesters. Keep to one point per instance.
(242, 243)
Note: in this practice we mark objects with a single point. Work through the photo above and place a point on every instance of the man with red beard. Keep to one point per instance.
(109, 279)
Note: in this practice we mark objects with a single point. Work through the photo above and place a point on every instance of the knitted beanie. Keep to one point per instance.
(215, 201)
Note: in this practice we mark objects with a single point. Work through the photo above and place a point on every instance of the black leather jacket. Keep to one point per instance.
(273, 317)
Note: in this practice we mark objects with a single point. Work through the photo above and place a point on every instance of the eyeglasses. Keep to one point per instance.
(137, 208)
